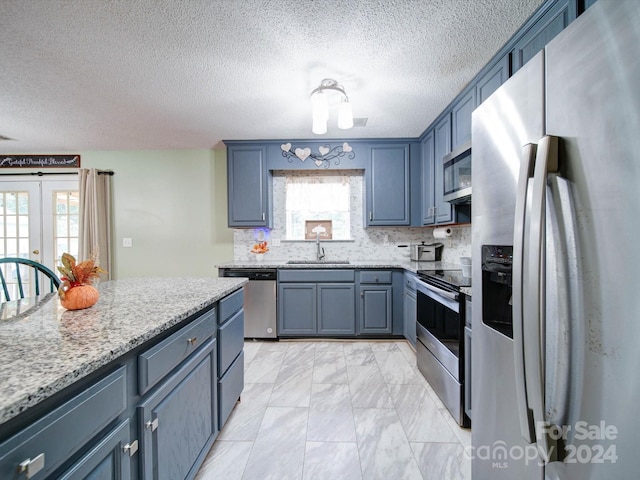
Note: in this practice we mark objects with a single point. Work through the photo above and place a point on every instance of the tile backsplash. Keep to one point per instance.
(373, 243)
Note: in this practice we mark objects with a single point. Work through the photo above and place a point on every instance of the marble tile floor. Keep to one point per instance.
(337, 410)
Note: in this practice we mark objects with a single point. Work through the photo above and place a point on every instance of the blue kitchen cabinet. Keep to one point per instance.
(297, 307)
(388, 186)
(461, 112)
(178, 421)
(249, 186)
(427, 152)
(336, 309)
(316, 302)
(38, 447)
(230, 353)
(376, 302)
(546, 24)
(108, 460)
(442, 146)
(410, 309)
(490, 81)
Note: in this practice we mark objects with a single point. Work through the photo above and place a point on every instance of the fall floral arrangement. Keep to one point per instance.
(76, 290)
(260, 248)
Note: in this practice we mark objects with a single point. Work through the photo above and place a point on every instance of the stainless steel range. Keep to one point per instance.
(440, 333)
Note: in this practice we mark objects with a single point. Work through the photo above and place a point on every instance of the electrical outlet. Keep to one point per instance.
(275, 242)
(127, 242)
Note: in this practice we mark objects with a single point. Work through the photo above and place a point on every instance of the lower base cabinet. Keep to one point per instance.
(109, 459)
(153, 414)
(178, 423)
(316, 303)
(376, 302)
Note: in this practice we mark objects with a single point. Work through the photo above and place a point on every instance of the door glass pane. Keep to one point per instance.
(66, 220)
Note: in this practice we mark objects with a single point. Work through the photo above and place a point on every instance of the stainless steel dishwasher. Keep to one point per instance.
(259, 301)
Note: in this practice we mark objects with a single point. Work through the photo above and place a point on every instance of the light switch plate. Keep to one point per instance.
(127, 242)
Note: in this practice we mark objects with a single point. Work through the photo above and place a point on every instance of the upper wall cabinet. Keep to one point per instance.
(442, 146)
(461, 118)
(388, 191)
(428, 183)
(248, 186)
(493, 79)
(550, 23)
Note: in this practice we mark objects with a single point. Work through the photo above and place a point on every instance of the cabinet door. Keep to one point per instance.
(551, 23)
(375, 309)
(178, 423)
(491, 81)
(388, 186)
(428, 183)
(336, 309)
(108, 460)
(297, 309)
(442, 136)
(247, 175)
(410, 312)
(461, 118)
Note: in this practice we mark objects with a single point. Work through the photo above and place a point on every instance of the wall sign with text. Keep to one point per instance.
(39, 161)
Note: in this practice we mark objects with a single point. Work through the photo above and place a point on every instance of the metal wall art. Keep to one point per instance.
(323, 158)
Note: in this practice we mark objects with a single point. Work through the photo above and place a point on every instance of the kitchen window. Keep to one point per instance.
(318, 197)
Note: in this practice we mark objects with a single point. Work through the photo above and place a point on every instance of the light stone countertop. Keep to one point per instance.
(408, 265)
(45, 348)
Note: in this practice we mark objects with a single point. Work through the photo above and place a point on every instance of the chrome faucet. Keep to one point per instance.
(319, 250)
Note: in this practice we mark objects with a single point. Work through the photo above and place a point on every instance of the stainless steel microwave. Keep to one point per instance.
(457, 175)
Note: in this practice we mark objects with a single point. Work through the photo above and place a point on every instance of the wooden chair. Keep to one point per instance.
(25, 272)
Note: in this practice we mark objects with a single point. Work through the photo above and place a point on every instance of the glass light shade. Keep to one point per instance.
(320, 113)
(345, 115)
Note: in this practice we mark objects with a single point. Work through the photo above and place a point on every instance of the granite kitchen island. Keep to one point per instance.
(110, 386)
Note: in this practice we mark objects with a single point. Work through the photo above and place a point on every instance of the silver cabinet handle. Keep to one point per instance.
(31, 466)
(263, 216)
(153, 425)
(192, 341)
(131, 448)
(370, 215)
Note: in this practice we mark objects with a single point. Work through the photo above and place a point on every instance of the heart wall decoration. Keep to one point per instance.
(326, 154)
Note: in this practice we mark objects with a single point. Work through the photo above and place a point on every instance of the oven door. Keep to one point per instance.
(438, 325)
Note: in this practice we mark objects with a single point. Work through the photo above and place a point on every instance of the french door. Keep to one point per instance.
(39, 221)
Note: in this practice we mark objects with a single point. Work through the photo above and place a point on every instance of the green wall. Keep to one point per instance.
(173, 205)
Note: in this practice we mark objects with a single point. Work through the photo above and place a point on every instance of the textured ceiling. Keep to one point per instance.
(184, 74)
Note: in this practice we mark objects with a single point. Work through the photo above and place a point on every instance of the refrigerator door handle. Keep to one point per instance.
(534, 298)
(526, 172)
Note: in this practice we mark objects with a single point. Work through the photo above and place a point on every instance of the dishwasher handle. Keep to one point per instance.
(252, 274)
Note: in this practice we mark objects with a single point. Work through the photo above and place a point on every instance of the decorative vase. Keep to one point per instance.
(79, 297)
(259, 257)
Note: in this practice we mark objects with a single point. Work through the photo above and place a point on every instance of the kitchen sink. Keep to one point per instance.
(318, 262)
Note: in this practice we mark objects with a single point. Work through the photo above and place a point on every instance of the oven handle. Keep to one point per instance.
(450, 295)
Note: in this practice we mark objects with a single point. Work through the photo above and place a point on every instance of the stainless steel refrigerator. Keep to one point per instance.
(556, 259)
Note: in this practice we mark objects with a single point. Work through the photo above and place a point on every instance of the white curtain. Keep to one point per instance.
(95, 217)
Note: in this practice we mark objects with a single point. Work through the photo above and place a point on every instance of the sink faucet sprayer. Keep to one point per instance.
(319, 250)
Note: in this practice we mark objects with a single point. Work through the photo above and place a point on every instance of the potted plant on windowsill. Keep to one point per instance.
(76, 290)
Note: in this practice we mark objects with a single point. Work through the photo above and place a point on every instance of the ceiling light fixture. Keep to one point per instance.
(320, 106)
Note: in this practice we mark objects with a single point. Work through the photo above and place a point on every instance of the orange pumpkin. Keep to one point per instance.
(79, 297)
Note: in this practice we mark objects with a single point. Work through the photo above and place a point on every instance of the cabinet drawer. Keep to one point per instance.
(317, 276)
(230, 341)
(229, 388)
(54, 438)
(230, 305)
(375, 276)
(159, 360)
